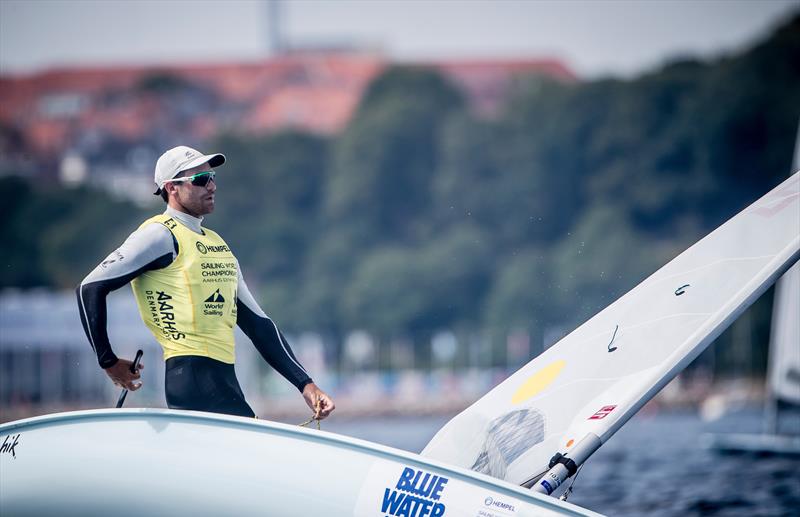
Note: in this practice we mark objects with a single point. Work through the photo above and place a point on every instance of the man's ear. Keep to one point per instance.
(170, 188)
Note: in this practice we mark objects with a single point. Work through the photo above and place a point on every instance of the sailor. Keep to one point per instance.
(190, 292)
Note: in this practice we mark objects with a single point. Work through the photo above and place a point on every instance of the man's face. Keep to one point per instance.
(194, 200)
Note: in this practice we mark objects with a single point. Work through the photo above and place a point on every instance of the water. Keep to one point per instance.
(656, 466)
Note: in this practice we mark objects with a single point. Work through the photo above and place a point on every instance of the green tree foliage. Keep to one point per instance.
(385, 162)
(21, 266)
(387, 293)
(523, 293)
(456, 269)
(58, 234)
(268, 197)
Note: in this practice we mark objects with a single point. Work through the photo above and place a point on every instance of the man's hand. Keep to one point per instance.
(318, 401)
(121, 374)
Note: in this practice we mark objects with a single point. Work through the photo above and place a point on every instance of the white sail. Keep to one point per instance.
(784, 347)
(591, 382)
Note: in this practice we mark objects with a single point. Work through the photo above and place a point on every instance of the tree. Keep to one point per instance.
(269, 194)
(522, 292)
(59, 234)
(384, 163)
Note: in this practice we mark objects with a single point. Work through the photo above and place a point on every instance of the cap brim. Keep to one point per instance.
(214, 160)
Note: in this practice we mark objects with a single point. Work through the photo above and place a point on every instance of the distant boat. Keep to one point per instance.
(783, 375)
(536, 429)
(783, 382)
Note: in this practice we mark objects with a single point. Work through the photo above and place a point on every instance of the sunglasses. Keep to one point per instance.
(200, 179)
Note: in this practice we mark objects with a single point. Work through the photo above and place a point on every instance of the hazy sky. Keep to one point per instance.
(595, 37)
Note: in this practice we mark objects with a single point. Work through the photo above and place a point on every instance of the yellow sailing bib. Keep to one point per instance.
(190, 305)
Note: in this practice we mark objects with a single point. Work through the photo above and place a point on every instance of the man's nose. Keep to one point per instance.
(211, 185)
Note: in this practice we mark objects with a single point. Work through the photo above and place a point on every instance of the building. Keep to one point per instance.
(111, 123)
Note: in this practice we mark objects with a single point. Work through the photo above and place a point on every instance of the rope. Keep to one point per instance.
(568, 492)
(313, 417)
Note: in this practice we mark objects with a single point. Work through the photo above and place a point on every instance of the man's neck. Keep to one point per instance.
(189, 221)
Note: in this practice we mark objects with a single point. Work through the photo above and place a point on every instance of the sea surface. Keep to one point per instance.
(655, 466)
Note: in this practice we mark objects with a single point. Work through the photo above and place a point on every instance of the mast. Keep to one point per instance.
(274, 27)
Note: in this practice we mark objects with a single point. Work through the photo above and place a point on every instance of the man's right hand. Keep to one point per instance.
(121, 375)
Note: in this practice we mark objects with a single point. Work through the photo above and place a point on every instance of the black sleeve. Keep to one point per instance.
(271, 344)
(93, 311)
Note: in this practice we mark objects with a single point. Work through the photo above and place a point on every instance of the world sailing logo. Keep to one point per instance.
(215, 298)
(214, 304)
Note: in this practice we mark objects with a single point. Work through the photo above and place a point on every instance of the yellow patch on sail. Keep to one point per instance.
(538, 381)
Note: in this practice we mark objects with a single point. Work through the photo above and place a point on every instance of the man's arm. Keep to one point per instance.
(148, 248)
(273, 347)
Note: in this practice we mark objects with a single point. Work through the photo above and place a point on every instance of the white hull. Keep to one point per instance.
(165, 462)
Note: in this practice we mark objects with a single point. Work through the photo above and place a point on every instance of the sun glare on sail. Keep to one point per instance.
(538, 381)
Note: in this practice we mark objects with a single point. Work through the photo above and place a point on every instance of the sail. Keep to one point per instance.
(595, 379)
(784, 347)
(783, 377)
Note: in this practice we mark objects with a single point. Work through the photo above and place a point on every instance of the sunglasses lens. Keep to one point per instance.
(202, 179)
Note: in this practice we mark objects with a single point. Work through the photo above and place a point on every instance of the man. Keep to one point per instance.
(190, 292)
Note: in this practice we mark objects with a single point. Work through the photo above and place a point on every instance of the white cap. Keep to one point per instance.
(179, 159)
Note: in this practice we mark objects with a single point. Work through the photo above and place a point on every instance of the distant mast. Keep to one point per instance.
(797, 150)
(274, 22)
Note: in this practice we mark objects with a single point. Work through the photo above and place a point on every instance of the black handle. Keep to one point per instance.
(133, 368)
(135, 363)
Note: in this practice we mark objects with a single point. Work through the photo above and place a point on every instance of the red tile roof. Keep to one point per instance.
(317, 92)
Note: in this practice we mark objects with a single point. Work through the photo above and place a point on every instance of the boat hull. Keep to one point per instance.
(166, 462)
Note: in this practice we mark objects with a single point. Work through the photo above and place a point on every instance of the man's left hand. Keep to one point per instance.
(318, 401)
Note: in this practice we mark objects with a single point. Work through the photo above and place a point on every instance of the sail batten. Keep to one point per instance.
(596, 378)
